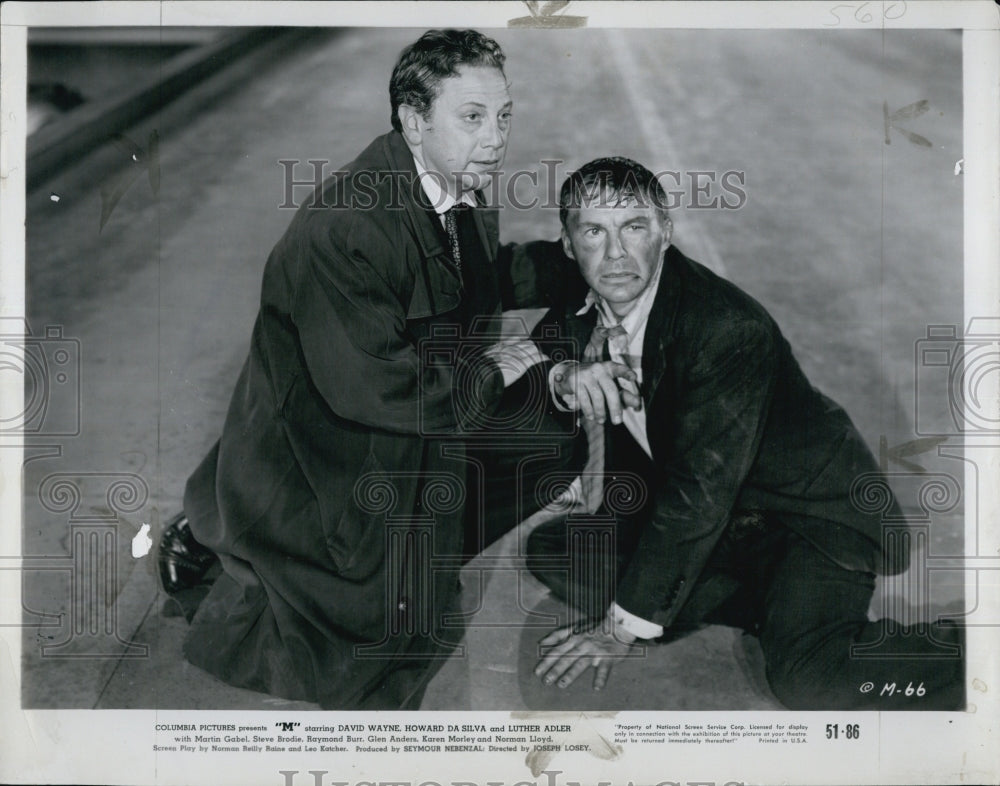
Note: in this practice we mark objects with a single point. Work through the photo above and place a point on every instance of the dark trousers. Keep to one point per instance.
(811, 615)
(515, 467)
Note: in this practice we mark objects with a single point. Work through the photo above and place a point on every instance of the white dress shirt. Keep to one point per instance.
(625, 349)
(440, 199)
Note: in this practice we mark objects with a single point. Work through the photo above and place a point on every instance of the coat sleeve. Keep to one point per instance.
(351, 319)
(538, 274)
(716, 427)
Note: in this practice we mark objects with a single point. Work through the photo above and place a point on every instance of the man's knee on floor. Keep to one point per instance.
(796, 689)
(546, 556)
(812, 683)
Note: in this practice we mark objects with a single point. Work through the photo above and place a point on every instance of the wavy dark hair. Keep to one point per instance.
(436, 55)
(619, 178)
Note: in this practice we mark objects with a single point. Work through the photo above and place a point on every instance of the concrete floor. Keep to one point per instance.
(854, 246)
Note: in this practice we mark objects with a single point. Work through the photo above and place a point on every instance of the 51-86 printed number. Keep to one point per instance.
(850, 731)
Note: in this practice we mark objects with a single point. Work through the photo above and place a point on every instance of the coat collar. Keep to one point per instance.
(418, 206)
(412, 196)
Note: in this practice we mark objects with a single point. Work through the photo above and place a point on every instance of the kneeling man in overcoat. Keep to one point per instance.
(341, 498)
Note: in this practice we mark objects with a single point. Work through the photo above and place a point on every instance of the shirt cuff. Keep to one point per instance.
(562, 403)
(637, 626)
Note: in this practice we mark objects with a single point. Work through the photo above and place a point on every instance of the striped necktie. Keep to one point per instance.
(592, 477)
(451, 227)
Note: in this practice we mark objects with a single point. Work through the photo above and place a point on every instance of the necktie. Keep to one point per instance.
(597, 338)
(592, 478)
(451, 227)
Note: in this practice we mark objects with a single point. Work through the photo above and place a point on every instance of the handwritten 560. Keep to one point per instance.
(862, 14)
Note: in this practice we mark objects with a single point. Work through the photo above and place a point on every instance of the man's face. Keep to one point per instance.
(618, 246)
(464, 136)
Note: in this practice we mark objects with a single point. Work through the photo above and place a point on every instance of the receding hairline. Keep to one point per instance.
(602, 195)
(437, 88)
(458, 75)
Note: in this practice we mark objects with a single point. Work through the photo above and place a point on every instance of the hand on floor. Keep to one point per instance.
(575, 649)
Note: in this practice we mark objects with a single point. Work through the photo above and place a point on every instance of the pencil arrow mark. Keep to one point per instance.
(908, 112)
(114, 188)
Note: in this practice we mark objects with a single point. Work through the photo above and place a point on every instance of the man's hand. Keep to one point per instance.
(598, 388)
(574, 651)
(514, 356)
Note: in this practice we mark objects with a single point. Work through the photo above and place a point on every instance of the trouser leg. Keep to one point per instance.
(510, 468)
(581, 559)
(822, 652)
(514, 480)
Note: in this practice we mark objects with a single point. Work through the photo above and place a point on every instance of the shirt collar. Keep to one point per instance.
(440, 199)
(635, 318)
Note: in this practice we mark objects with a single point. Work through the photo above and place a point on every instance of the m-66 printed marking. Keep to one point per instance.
(891, 689)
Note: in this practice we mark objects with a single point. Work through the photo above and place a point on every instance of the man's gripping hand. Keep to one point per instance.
(598, 389)
(574, 650)
(514, 357)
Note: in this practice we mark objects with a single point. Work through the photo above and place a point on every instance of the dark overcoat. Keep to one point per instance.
(338, 448)
(733, 426)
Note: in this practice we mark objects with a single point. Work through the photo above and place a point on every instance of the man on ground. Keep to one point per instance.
(742, 511)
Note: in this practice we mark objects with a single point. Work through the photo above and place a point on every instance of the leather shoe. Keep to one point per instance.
(182, 561)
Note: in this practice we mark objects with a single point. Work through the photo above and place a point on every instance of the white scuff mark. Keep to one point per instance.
(959, 166)
(979, 685)
(582, 735)
(54, 197)
(141, 543)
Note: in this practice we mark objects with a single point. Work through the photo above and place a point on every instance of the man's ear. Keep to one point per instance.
(567, 246)
(412, 124)
(668, 232)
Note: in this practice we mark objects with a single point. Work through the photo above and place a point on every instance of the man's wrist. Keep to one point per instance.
(624, 635)
(629, 624)
(565, 402)
(515, 358)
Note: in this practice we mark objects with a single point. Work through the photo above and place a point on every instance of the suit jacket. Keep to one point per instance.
(733, 425)
(336, 431)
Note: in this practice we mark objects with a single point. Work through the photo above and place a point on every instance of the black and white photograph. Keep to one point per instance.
(525, 383)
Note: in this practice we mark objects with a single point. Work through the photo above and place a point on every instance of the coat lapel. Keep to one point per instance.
(412, 196)
(488, 225)
(437, 282)
(415, 203)
(659, 327)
